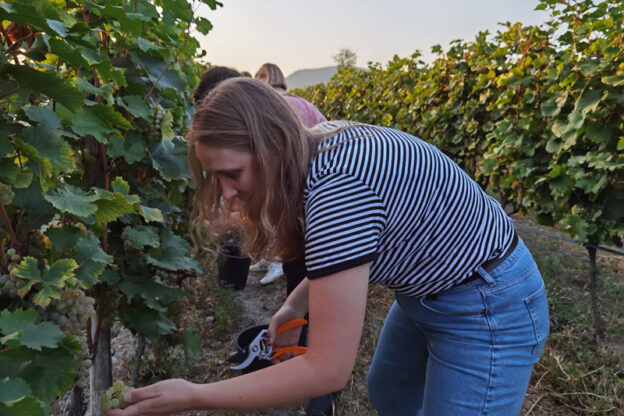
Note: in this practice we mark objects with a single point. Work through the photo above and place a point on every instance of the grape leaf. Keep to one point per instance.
(169, 158)
(113, 205)
(588, 101)
(137, 107)
(49, 372)
(132, 148)
(142, 235)
(146, 321)
(26, 406)
(47, 83)
(20, 329)
(92, 260)
(73, 200)
(87, 121)
(151, 291)
(13, 389)
(51, 146)
(150, 214)
(44, 116)
(65, 237)
(51, 279)
(31, 201)
(173, 253)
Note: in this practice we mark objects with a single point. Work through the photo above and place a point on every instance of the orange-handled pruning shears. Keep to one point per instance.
(259, 347)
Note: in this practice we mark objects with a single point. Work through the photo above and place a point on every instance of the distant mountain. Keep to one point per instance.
(306, 77)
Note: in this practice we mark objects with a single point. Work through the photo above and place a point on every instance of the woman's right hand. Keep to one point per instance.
(286, 338)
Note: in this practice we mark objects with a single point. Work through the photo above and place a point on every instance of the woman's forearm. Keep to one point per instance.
(288, 382)
(298, 298)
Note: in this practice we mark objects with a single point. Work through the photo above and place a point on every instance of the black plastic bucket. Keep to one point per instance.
(233, 268)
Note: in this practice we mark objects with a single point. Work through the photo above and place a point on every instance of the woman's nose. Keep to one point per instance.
(227, 191)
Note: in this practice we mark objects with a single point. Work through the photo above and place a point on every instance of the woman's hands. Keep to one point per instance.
(296, 306)
(162, 398)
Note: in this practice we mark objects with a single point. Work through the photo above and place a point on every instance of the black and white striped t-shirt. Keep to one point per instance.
(379, 195)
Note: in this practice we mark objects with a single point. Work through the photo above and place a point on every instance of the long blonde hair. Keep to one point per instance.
(271, 74)
(247, 115)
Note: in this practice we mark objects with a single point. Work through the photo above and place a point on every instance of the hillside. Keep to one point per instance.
(306, 77)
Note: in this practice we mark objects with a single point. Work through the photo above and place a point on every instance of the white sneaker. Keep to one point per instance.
(275, 271)
(260, 266)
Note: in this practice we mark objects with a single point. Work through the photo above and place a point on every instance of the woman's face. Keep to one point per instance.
(233, 169)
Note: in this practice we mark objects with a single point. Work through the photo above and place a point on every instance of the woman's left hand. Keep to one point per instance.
(162, 398)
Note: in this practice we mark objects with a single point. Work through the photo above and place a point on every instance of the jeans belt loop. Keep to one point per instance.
(490, 265)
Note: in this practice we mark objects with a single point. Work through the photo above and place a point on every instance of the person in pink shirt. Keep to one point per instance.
(271, 74)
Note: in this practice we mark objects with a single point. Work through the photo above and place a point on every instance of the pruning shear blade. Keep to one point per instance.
(259, 347)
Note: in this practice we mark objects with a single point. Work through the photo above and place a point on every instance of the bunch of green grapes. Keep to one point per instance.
(71, 312)
(12, 259)
(6, 194)
(154, 129)
(113, 397)
(37, 242)
(9, 285)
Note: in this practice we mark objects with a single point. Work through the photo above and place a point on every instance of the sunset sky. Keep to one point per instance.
(296, 34)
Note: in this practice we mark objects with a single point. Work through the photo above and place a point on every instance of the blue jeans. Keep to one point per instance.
(470, 351)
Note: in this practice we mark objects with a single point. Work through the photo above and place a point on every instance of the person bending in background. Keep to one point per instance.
(272, 75)
(210, 78)
(366, 204)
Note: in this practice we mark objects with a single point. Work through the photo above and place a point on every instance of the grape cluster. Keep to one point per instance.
(37, 243)
(9, 285)
(155, 133)
(71, 313)
(113, 397)
(6, 194)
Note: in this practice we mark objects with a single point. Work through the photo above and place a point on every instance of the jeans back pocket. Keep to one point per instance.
(537, 304)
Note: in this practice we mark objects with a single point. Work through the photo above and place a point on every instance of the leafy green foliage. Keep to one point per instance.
(91, 191)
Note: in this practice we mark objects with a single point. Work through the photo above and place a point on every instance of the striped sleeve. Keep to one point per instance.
(344, 220)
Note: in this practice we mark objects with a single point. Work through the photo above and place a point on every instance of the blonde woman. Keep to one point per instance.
(272, 75)
(367, 205)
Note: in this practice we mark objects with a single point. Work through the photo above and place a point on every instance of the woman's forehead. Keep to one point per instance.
(215, 158)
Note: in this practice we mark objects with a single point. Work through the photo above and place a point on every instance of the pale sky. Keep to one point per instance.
(303, 34)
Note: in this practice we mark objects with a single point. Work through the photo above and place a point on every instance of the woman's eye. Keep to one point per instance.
(231, 175)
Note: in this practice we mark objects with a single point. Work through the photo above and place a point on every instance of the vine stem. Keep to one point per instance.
(3, 261)
(7, 220)
(6, 94)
